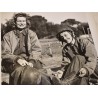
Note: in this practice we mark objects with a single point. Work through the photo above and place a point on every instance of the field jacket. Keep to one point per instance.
(11, 40)
(84, 47)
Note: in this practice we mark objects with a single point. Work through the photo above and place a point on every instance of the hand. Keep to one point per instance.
(30, 64)
(58, 74)
(22, 62)
(82, 72)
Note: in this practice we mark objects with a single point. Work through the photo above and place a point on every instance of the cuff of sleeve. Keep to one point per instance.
(35, 55)
(89, 71)
(18, 57)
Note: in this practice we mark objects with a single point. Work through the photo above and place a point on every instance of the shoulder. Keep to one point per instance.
(8, 34)
(65, 48)
(85, 40)
(31, 33)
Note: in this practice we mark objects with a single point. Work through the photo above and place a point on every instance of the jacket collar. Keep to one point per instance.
(75, 43)
(24, 32)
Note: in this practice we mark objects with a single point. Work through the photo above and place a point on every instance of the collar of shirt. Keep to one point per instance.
(73, 42)
(17, 32)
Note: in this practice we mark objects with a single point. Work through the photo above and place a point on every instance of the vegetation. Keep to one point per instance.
(43, 28)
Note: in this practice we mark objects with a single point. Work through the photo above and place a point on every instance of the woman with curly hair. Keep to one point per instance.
(21, 53)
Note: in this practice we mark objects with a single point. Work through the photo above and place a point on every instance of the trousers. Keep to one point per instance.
(77, 63)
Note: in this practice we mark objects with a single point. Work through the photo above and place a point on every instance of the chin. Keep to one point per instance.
(21, 27)
(68, 42)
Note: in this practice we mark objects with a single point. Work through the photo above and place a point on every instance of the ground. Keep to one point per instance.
(51, 51)
(51, 54)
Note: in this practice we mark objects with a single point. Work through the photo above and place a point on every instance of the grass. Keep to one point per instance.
(51, 52)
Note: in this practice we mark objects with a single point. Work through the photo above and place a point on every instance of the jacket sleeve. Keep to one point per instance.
(65, 59)
(6, 50)
(35, 46)
(90, 54)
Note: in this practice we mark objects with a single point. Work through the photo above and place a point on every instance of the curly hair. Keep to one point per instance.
(22, 15)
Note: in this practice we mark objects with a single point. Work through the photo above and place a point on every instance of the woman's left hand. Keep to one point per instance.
(30, 64)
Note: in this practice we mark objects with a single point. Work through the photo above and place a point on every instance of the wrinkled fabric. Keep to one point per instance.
(26, 75)
(11, 40)
(83, 47)
(14, 47)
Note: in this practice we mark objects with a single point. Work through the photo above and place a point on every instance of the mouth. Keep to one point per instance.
(21, 25)
(67, 40)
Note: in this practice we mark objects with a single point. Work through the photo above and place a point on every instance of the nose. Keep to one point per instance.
(64, 37)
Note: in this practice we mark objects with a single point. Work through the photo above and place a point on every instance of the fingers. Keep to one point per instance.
(58, 74)
(24, 63)
(27, 63)
(30, 64)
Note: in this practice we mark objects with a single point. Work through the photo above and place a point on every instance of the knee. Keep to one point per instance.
(31, 77)
(6, 62)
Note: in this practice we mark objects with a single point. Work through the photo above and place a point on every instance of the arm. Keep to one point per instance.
(90, 54)
(65, 59)
(6, 51)
(35, 46)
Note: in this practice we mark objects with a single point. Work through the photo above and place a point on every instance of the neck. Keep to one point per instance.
(21, 29)
(73, 41)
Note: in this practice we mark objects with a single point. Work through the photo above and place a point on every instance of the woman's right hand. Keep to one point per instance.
(22, 62)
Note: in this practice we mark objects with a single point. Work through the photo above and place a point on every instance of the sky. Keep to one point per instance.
(55, 17)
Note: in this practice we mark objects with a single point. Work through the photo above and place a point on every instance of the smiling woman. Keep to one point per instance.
(21, 50)
(21, 22)
(55, 17)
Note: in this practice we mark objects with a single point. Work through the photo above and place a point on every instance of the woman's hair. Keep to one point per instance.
(22, 15)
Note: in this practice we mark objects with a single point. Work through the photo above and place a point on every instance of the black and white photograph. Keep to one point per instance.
(47, 48)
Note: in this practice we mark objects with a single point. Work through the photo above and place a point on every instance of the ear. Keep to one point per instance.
(73, 34)
(28, 23)
(61, 43)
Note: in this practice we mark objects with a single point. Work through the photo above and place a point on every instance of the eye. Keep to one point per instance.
(62, 37)
(65, 35)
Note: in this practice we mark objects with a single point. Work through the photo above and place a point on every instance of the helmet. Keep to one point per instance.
(63, 29)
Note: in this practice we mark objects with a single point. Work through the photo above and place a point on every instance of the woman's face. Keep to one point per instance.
(21, 22)
(66, 36)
